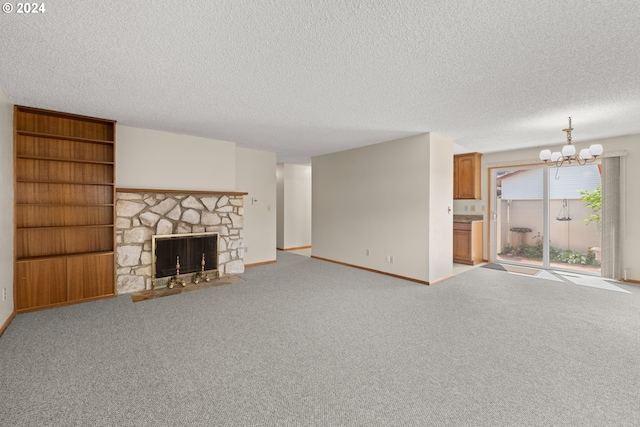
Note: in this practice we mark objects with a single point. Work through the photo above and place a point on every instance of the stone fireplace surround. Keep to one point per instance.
(142, 213)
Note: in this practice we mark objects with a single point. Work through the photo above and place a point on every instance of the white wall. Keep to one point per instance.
(380, 198)
(440, 208)
(280, 205)
(6, 208)
(630, 178)
(167, 161)
(294, 202)
(256, 174)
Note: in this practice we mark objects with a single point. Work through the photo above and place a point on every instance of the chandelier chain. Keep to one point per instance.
(568, 131)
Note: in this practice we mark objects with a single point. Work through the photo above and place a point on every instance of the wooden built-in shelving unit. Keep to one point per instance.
(64, 169)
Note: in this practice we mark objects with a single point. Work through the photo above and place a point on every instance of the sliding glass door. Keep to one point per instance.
(547, 217)
(519, 213)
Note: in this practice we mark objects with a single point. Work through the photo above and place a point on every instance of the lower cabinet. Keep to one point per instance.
(57, 281)
(467, 242)
(40, 283)
(90, 276)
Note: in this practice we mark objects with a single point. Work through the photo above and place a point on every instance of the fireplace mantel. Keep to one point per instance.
(155, 190)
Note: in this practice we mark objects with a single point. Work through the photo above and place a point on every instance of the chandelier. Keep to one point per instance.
(568, 154)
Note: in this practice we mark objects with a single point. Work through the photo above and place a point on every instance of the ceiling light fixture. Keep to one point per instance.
(568, 154)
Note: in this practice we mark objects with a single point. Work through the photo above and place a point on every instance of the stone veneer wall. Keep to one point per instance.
(140, 215)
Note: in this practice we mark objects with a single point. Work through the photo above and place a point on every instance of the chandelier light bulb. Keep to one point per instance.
(568, 150)
(585, 154)
(555, 156)
(595, 150)
(545, 155)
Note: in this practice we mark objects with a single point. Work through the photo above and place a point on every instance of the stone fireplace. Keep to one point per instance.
(142, 214)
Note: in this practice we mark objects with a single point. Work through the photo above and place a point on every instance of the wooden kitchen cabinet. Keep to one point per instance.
(466, 176)
(467, 242)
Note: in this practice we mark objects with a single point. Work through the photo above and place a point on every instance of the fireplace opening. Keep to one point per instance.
(192, 252)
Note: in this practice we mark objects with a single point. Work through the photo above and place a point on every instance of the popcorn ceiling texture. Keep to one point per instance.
(141, 215)
(304, 78)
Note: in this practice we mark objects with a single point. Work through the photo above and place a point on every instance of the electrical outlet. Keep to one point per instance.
(389, 259)
(246, 249)
(366, 251)
(4, 294)
(466, 207)
(473, 208)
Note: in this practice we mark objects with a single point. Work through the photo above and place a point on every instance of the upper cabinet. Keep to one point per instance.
(466, 176)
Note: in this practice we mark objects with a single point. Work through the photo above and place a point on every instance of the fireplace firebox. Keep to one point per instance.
(178, 255)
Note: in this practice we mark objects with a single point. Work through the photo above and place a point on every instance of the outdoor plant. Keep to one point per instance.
(534, 251)
(576, 257)
(593, 200)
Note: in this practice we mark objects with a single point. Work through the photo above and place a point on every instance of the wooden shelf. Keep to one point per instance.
(91, 162)
(78, 183)
(40, 258)
(63, 137)
(41, 181)
(153, 190)
(47, 241)
(59, 227)
(63, 171)
(64, 193)
(64, 208)
(28, 146)
(67, 204)
(51, 124)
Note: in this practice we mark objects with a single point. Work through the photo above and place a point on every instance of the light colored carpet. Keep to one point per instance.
(521, 270)
(304, 342)
(591, 281)
(562, 276)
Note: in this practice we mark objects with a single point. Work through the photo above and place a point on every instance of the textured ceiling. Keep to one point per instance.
(303, 78)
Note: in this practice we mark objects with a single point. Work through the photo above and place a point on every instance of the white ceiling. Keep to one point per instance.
(304, 78)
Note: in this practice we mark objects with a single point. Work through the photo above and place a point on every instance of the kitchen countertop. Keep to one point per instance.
(467, 218)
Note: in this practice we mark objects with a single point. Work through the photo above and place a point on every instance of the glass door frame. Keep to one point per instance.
(493, 190)
(546, 242)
